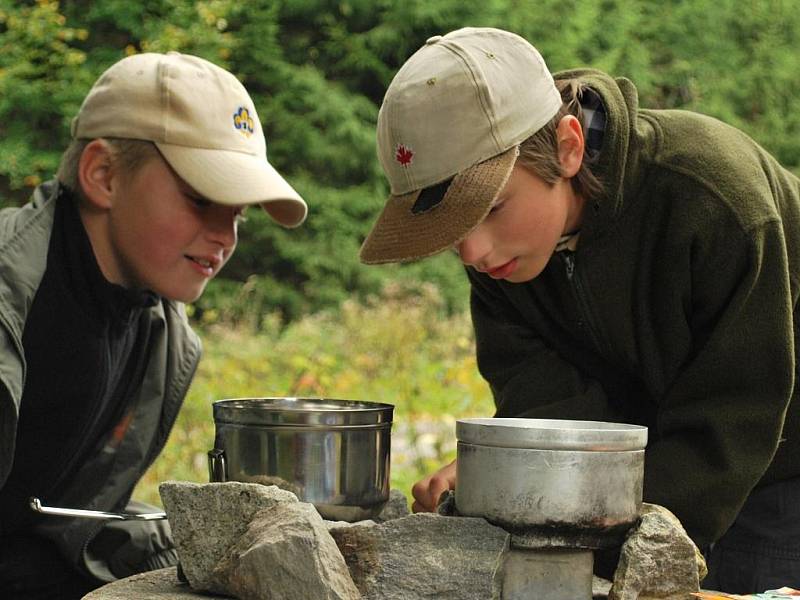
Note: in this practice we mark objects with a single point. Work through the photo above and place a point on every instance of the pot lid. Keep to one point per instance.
(552, 434)
(301, 411)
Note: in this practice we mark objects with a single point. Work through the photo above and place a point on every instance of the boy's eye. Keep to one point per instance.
(496, 207)
(198, 201)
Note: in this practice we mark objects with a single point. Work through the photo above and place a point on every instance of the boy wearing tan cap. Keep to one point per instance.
(96, 354)
(626, 265)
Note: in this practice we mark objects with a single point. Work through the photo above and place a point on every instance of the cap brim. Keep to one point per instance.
(228, 177)
(399, 235)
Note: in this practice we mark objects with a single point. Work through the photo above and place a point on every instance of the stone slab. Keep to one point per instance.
(425, 556)
(162, 584)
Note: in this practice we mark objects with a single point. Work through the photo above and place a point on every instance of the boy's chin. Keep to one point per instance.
(521, 277)
(186, 296)
(525, 272)
(188, 299)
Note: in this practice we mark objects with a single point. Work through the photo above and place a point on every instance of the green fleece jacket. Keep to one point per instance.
(676, 311)
(24, 241)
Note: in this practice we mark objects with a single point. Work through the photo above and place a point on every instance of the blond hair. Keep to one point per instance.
(127, 155)
(539, 153)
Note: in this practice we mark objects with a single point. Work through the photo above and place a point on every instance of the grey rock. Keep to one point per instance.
(396, 507)
(447, 504)
(286, 553)
(207, 519)
(162, 584)
(600, 587)
(658, 560)
(289, 486)
(425, 556)
(336, 524)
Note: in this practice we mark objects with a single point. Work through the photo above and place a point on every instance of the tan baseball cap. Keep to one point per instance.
(203, 122)
(449, 131)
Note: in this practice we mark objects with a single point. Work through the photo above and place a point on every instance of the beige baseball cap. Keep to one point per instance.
(203, 122)
(449, 131)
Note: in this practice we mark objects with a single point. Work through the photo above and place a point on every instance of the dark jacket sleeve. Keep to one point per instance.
(720, 421)
(123, 548)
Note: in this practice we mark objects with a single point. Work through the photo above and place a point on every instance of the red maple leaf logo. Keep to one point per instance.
(404, 155)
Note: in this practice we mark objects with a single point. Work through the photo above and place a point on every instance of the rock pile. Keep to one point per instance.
(259, 542)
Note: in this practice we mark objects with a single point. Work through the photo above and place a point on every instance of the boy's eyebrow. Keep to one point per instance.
(190, 191)
(184, 186)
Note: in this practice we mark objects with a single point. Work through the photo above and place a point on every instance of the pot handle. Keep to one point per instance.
(36, 505)
(217, 467)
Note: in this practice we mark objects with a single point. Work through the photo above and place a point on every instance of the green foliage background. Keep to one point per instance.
(294, 311)
(317, 70)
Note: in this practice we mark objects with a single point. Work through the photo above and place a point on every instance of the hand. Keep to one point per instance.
(428, 491)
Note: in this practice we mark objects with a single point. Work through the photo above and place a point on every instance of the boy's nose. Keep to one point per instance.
(473, 248)
(222, 226)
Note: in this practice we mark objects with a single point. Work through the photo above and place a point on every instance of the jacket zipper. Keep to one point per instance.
(584, 320)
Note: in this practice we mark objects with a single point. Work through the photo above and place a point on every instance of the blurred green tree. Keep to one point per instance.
(317, 71)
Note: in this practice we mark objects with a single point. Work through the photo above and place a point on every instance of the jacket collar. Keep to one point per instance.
(623, 141)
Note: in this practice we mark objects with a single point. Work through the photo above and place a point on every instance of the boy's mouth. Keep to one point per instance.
(205, 264)
(502, 271)
(202, 261)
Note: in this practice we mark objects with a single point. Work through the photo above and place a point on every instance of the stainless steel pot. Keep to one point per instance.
(332, 453)
(548, 474)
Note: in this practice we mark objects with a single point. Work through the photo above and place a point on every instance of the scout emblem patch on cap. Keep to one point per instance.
(448, 133)
(243, 122)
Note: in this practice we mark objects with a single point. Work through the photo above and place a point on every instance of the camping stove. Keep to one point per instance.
(562, 489)
(555, 564)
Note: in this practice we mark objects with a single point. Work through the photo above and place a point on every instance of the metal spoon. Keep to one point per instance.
(36, 505)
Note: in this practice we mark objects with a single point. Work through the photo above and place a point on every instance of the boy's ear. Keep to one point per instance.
(95, 173)
(570, 145)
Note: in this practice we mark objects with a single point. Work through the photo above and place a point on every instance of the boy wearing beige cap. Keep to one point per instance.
(96, 354)
(626, 265)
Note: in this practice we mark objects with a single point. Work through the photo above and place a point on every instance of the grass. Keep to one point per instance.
(400, 348)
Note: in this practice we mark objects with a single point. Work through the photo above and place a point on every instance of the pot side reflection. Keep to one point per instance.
(342, 469)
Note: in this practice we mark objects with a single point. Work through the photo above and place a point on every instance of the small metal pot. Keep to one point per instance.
(334, 454)
(551, 475)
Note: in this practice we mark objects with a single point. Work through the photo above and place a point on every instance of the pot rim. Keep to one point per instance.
(300, 411)
(551, 434)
